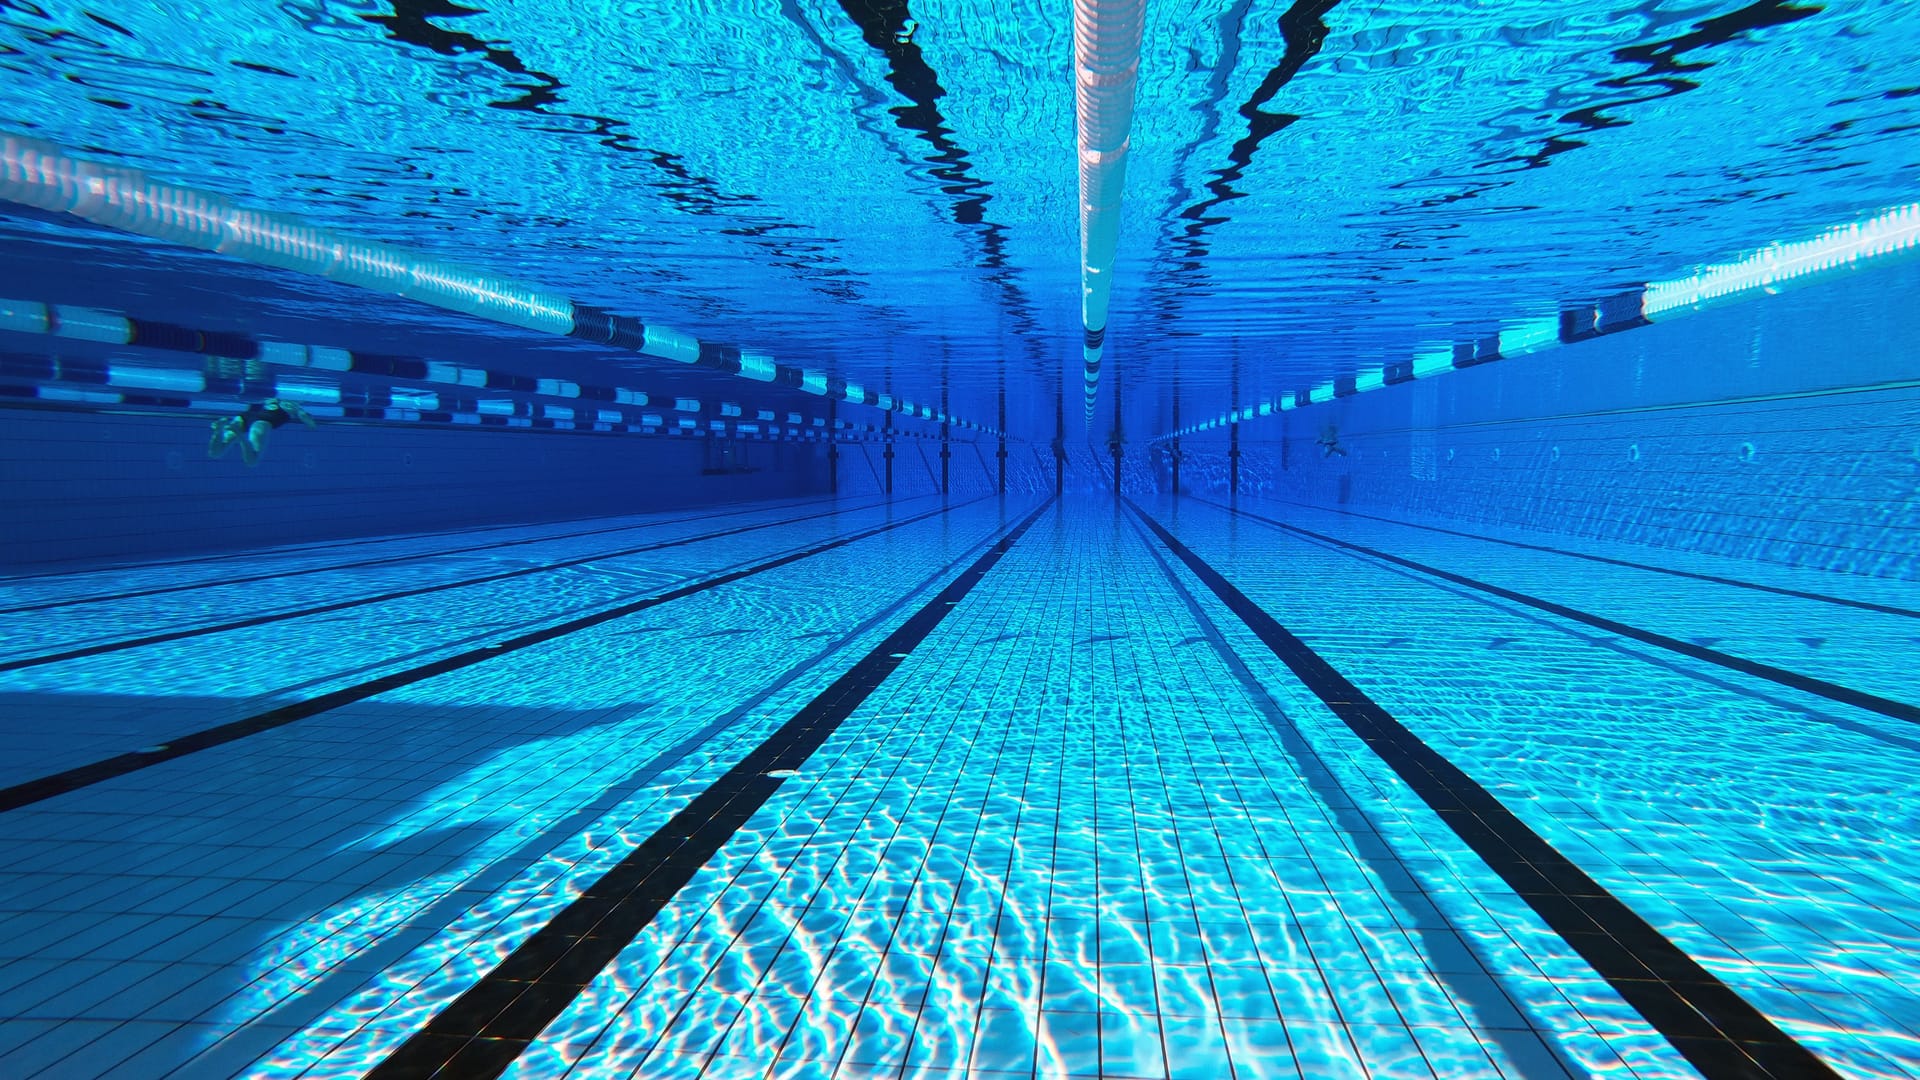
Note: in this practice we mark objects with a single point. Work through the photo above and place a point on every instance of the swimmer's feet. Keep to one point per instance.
(226, 431)
(254, 443)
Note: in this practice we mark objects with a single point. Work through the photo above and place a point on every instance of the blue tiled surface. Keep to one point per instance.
(305, 867)
(1072, 846)
(607, 576)
(1089, 827)
(1859, 648)
(123, 700)
(97, 489)
(1747, 821)
(1779, 432)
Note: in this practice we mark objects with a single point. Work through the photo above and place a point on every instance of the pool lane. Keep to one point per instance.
(1861, 651)
(111, 621)
(1068, 837)
(1885, 595)
(352, 867)
(72, 714)
(491, 1024)
(1767, 832)
(1720, 1033)
(68, 587)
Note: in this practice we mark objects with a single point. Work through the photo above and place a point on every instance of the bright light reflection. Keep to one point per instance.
(1886, 233)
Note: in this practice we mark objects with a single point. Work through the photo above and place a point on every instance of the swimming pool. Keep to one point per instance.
(564, 540)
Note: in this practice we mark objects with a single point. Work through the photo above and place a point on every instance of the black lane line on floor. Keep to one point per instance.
(504, 868)
(486, 1028)
(101, 598)
(1845, 695)
(397, 594)
(85, 567)
(1802, 594)
(1316, 776)
(1716, 1029)
(337, 543)
(46, 787)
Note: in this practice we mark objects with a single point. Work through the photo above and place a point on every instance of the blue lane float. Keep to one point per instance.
(1885, 235)
(45, 176)
(350, 384)
(1106, 71)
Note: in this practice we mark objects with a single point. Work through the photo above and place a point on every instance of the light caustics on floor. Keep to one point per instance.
(1089, 823)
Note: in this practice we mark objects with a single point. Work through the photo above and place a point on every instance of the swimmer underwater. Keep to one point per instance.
(250, 428)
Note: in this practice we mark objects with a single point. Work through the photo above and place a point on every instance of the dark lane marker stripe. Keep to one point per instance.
(246, 579)
(481, 1032)
(338, 543)
(1482, 997)
(397, 594)
(47, 787)
(1718, 1031)
(503, 869)
(1845, 695)
(1801, 594)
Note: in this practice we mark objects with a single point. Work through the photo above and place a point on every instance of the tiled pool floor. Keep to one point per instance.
(1069, 813)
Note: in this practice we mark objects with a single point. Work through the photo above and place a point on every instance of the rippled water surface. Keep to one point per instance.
(854, 184)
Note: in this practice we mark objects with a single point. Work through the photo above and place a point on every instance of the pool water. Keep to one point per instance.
(1470, 631)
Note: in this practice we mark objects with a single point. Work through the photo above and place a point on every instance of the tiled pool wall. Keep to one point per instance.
(113, 487)
(1746, 431)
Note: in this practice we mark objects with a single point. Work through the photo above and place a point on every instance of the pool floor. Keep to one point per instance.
(996, 788)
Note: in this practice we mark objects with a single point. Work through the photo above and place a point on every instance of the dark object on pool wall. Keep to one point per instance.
(250, 428)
